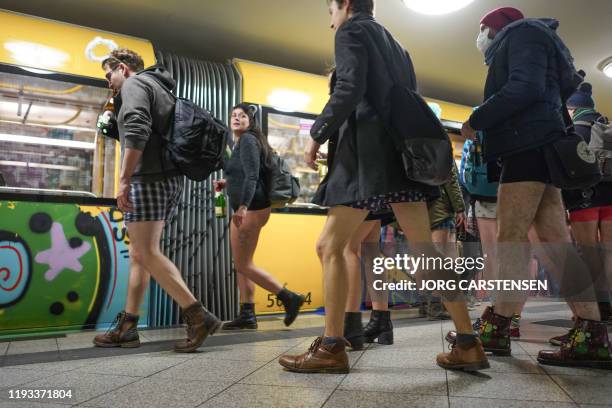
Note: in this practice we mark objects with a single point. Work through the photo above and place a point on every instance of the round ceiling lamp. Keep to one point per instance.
(606, 67)
(436, 7)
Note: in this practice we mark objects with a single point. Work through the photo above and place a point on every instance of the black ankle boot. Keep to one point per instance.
(379, 327)
(292, 303)
(245, 320)
(353, 330)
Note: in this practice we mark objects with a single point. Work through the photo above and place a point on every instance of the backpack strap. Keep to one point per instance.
(584, 123)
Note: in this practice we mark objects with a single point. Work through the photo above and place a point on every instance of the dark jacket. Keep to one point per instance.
(144, 116)
(245, 175)
(449, 203)
(366, 162)
(522, 108)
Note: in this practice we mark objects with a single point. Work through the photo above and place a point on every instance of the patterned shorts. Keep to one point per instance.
(156, 201)
(383, 202)
(448, 224)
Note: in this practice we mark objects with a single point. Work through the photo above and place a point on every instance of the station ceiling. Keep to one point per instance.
(295, 34)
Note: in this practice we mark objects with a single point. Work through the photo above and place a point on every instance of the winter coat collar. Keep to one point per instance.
(546, 25)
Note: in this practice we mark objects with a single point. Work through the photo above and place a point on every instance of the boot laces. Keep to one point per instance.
(315, 345)
(116, 324)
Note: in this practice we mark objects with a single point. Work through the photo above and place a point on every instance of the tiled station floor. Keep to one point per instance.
(241, 370)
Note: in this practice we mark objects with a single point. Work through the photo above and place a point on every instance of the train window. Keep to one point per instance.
(288, 134)
(48, 135)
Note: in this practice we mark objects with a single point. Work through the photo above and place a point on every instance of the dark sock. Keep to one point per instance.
(466, 340)
(284, 295)
(332, 340)
(248, 306)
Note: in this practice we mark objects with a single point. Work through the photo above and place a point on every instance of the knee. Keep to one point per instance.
(328, 249)
(141, 255)
(512, 233)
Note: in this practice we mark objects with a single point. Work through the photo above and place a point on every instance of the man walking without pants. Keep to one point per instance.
(150, 188)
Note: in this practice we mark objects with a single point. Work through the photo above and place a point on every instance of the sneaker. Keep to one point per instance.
(122, 333)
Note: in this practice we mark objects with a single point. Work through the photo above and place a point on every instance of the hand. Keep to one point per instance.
(310, 155)
(219, 184)
(460, 220)
(468, 132)
(123, 196)
(239, 216)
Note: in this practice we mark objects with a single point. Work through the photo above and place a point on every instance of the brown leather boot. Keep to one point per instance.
(200, 324)
(320, 358)
(470, 358)
(122, 333)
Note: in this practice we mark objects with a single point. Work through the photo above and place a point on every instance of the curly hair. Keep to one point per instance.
(357, 6)
(125, 56)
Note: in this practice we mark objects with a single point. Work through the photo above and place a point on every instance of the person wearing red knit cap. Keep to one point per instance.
(522, 116)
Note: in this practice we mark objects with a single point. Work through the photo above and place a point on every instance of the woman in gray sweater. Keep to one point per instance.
(248, 192)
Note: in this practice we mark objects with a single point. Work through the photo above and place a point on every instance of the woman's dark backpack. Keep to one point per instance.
(283, 187)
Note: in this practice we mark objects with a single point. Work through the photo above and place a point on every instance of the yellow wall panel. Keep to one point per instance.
(286, 249)
(58, 47)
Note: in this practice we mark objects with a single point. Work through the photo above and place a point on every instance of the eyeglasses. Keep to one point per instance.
(110, 73)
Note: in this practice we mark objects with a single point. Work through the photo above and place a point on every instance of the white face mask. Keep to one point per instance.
(483, 42)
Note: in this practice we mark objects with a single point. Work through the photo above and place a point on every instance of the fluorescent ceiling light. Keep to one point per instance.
(36, 55)
(288, 100)
(48, 126)
(46, 141)
(38, 165)
(436, 7)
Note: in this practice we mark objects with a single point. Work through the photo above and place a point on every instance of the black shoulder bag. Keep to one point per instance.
(571, 163)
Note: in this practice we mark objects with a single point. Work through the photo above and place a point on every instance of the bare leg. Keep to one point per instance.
(244, 242)
(137, 286)
(606, 241)
(380, 299)
(352, 256)
(341, 225)
(247, 289)
(414, 221)
(145, 250)
(551, 228)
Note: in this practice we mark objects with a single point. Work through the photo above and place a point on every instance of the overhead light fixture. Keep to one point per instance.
(75, 144)
(34, 55)
(38, 165)
(288, 100)
(436, 7)
(606, 67)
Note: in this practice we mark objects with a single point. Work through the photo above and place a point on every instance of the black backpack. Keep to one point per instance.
(198, 141)
(283, 187)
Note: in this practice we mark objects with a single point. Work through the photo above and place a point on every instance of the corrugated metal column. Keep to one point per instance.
(196, 241)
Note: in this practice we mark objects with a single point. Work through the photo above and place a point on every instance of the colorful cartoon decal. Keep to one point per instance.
(62, 267)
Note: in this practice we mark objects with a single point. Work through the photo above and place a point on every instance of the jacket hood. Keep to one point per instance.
(161, 75)
(546, 25)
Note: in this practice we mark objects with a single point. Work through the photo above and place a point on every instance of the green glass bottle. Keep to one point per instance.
(220, 205)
